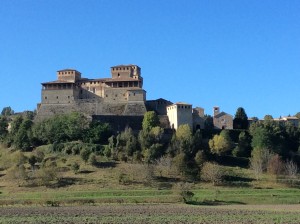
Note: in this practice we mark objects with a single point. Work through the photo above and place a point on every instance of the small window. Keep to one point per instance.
(56, 97)
(106, 95)
(68, 97)
(45, 97)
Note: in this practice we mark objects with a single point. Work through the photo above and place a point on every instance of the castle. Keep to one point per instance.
(119, 100)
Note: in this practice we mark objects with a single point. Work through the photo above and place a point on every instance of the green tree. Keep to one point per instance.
(244, 145)
(240, 120)
(184, 139)
(85, 154)
(22, 139)
(3, 128)
(208, 122)
(221, 143)
(98, 133)
(7, 111)
(268, 117)
(150, 121)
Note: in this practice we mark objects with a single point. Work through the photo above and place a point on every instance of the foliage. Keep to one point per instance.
(183, 189)
(259, 161)
(85, 154)
(98, 133)
(291, 169)
(208, 122)
(60, 128)
(243, 148)
(275, 165)
(92, 159)
(240, 120)
(212, 172)
(221, 144)
(150, 121)
(3, 128)
(75, 167)
(7, 111)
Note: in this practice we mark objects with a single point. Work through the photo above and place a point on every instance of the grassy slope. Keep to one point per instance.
(101, 185)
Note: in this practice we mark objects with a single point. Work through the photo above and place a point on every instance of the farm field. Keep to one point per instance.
(153, 213)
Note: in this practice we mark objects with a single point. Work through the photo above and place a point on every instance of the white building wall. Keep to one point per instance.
(179, 114)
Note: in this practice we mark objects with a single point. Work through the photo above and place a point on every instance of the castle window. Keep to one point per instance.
(118, 74)
(45, 97)
(68, 97)
(106, 95)
(116, 95)
(56, 97)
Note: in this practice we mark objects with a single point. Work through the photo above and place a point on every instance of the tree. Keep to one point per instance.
(184, 139)
(291, 168)
(150, 121)
(7, 111)
(3, 128)
(268, 117)
(244, 145)
(259, 160)
(85, 154)
(208, 122)
(221, 144)
(240, 120)
(98, 133)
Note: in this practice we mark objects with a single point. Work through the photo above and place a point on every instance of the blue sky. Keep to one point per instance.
(226, 53)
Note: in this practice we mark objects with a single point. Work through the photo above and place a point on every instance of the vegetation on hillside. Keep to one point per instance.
(55, 151)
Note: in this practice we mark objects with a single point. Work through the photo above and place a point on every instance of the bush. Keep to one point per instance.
(184, 191)
(75, 167)
(92, 159)
(212, 172)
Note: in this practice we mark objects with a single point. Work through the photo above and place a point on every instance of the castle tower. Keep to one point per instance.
(68, 75)
(126, 71)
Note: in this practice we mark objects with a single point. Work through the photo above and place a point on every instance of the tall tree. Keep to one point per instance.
(7, 111)
(3, 128)
(240, 119)
(150, 121)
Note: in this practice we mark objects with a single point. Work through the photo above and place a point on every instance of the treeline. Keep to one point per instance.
(266, 146)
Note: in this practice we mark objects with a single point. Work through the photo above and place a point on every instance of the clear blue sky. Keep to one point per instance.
(226, 53)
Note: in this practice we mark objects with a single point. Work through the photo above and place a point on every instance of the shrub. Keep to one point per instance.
(291, 168)
(212, 172)
(92, 159)
(184, 191)
(275, 165)
(75, 167)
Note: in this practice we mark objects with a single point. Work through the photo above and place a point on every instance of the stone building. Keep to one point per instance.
(222, 120)
(198, 118)
(120, 95)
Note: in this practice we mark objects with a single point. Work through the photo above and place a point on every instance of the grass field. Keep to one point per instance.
(161, 213)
